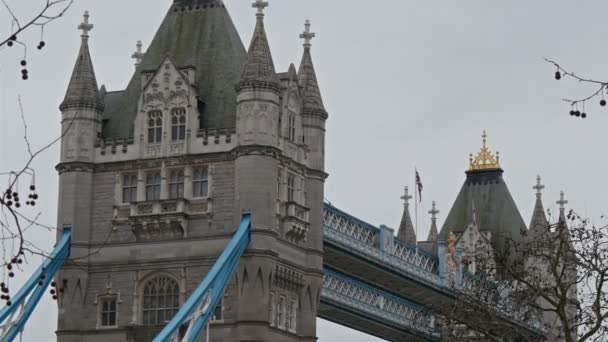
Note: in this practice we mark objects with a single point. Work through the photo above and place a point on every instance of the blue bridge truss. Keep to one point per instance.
(13, 317)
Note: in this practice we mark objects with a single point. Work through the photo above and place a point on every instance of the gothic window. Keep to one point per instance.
(304, 196)
(200, 182)
(155, 126)
(178, 124)
(176, 184)
(282, 311)
(291, 127)
(129, 188)
(291, 188)
(153, 186)
(107, 313)
(290, 315)
(160, 300)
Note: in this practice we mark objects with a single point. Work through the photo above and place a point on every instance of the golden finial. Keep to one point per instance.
(485, 160)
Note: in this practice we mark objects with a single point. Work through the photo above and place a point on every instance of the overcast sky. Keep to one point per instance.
(406, 83)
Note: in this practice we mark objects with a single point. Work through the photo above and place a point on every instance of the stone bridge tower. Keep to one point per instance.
(154, 179)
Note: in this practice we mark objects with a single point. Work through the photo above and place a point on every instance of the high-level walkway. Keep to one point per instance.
(367, 268)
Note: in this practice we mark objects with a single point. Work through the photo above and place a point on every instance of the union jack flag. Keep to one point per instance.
(419, 185)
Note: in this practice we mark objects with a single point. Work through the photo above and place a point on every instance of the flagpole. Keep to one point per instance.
(416, 205)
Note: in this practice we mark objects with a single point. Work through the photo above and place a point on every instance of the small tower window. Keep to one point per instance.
(160, 300)
(108, 312)
(153, 186)
(129, 188)
(178, 124)
(176, 184)
(290, 312)
(200, 183)
(291, 188)
(281, 312)
(155, 126)
(291, 127)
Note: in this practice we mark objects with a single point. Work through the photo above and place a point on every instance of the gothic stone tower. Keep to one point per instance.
(154, 179)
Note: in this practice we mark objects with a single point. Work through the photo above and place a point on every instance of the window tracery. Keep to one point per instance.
(160, 300)
(178, 124)
(155, 126)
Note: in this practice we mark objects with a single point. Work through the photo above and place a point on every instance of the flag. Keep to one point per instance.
(419, 185)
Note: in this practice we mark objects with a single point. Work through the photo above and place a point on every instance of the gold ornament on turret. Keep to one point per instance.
(485, 159)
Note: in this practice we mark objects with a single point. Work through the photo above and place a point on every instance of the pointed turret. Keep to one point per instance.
(258, 71)
(82, 91)
(539, 219)
(433, 232)
(312, 100)
(406, 228)
(486, 190)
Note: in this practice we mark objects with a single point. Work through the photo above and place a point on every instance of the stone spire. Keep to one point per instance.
(312, 101)
(259, 71)
(83, 91)
(433, 233)
(539, 219)
(406, 228)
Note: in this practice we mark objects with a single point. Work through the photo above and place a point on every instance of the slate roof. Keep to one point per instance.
(495, 208)
(312, 101)
(197, 33)
(82, 90)
(259, 69)
(539, 219)
(406, 228)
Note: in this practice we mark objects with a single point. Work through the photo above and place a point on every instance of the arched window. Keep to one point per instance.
(155, 127)
(178, 124)
(160, 300)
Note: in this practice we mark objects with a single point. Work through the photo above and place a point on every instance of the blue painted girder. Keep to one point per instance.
(49, 268)
(198, 309)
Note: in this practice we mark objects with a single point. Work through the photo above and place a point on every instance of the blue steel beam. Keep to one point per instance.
(49, 268)
(197, 310)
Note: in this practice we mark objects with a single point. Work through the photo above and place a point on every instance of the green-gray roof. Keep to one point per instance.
(259, 69)
(82, 90)
(406, 228)
(197, 33)
(495, 209)
(312, 102)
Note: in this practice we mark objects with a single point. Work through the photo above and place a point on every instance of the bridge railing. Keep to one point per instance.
(366, 300)
(376, 243)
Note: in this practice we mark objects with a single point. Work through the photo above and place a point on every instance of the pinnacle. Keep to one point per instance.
(313, 102)
(259, 71)
(82, 90)
(406, 228)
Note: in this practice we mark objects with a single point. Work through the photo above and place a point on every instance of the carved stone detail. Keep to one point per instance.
(287, 278)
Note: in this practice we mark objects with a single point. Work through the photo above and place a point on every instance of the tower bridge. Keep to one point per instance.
(156, 179)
